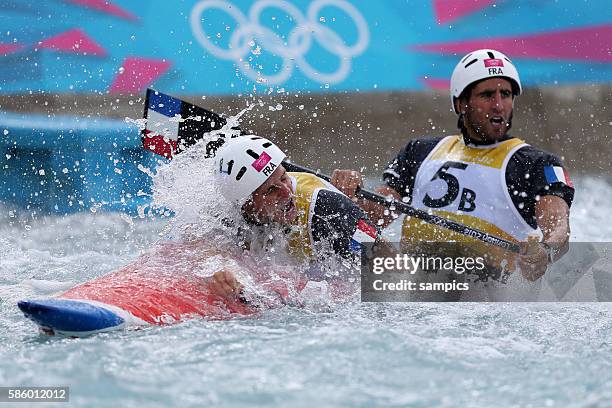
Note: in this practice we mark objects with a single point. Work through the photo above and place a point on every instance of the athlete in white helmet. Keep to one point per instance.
(482, 177)
(316, 216)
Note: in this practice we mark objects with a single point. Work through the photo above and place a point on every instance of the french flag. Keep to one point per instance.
(162, 130)
(557, 174)
(364, 234)
(173, 124)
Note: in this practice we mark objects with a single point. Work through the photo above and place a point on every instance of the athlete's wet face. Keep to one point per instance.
(488, 109)
(273, 201)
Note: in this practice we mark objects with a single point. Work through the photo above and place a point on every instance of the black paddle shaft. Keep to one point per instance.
(420, 214)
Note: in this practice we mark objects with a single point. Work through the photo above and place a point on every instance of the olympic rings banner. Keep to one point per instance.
(239, 46)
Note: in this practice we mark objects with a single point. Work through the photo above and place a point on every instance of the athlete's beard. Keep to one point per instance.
(281, 217)
(486, 140)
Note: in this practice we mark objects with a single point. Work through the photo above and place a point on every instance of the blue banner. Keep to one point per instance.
(238, 46)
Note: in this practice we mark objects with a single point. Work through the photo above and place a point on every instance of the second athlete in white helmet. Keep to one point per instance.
(483, 177)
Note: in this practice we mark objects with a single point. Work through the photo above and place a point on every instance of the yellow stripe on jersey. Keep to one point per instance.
(454, 149)
(300, 243)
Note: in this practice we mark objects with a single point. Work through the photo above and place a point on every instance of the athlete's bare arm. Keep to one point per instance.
(195, 252)
(224, 283)
(552, 216)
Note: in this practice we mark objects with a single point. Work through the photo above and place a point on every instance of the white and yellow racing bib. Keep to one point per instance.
(466, 184)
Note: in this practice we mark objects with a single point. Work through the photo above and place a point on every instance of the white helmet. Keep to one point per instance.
(243, 164)
(482, 64)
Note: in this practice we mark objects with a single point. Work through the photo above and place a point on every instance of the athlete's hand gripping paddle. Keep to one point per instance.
(532, 261)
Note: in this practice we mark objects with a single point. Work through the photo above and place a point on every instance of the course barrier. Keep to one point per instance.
(65, 164)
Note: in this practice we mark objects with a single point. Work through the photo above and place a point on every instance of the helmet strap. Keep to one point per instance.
(464, 132)
(510, 119)
(247, 212)
(461, 124)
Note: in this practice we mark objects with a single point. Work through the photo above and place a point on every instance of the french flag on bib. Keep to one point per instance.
(557, 174)
(364, 234)
(173, 124)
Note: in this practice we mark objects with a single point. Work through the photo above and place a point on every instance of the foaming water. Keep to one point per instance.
(590, 220)
(186, 185)
(349, 354)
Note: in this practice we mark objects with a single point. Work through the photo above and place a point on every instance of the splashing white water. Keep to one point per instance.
(187, 186)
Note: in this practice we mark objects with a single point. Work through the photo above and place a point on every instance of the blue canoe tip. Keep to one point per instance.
(70, 317)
